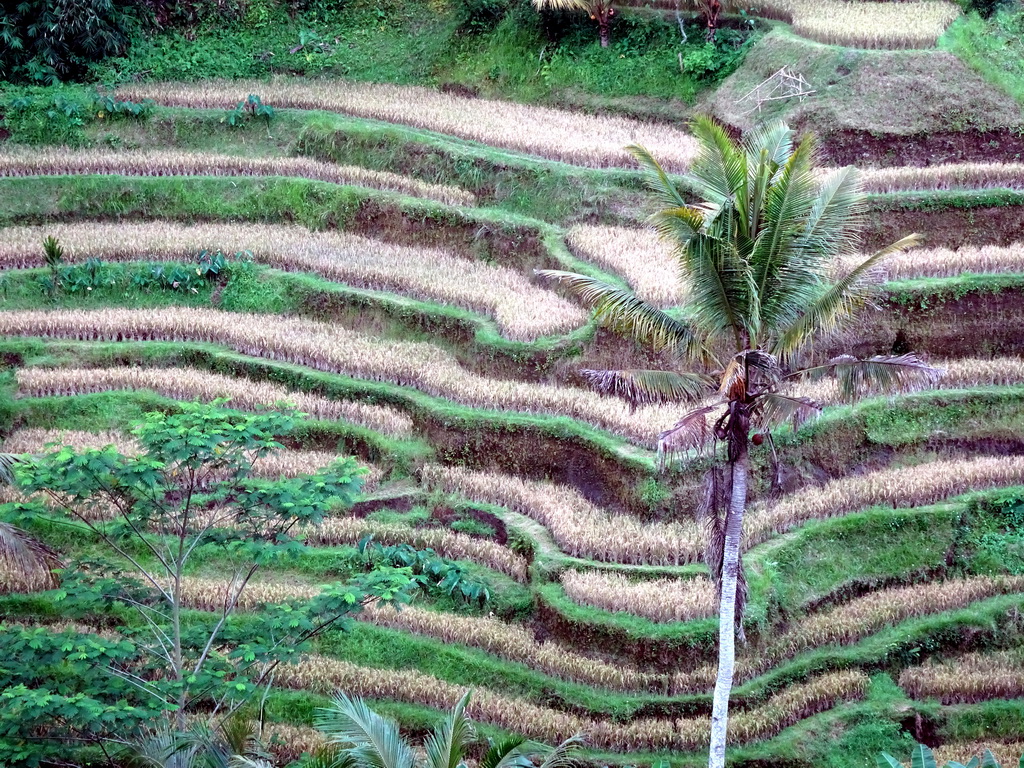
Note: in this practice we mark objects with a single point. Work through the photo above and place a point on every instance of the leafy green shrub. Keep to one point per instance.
(478, 16)
(249, 107)
(35, 115)
(47, 41)
(429, 570)
(110, 107)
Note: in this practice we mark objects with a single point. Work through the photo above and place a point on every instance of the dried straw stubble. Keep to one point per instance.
(574, 137)
(941, 177)
(452, 544)
(660, 600)
(68, 162)
(194, 384)
(522, 309)
(899, 487)
(647, 264)
(969, 678)
(283, 463)
(328, 347)
(508, 641)
(868, 24)
(577, 526)
(638, 255)
(322, 674)
(865, 615)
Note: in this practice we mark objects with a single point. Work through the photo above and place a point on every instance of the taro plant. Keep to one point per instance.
(428, 570)
(758, 251)
(249, 107)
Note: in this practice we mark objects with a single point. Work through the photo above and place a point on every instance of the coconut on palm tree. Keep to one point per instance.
(600, 11)
(761, 253)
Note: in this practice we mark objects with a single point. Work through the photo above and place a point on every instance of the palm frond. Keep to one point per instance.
(331, 757)
(240, 761)
(8, 461)
(26, 558)
(882, 373)
(620, 310)
(561, 5)
(720, 167)
(506, 753)
(785, 280)
(376, 740)
(641, 387)
(720, 287)
(773, 140)
(838, 303)
(564, 755)
(678, 225)
(446, 746)
(775, 408)
(658, 181)
(692, 432)
(833, 224)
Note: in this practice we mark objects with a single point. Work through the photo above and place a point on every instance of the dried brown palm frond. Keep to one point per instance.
(642, 387)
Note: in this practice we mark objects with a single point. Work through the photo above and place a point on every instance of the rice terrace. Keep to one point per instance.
(511, 383)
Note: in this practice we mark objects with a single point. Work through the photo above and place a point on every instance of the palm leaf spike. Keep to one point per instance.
(988, 760)
(506, 753)
(885, 760)
(658, 181)
(376, 740)
(445, 747)
(619, 309)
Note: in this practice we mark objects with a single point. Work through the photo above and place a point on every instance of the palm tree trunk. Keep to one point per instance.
(727, 609)
(602, 26)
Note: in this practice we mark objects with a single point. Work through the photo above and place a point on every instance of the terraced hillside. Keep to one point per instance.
(379, 247)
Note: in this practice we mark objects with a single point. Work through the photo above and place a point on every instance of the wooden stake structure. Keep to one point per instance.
(782, 85)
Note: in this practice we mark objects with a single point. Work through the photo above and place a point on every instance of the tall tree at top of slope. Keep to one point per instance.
(758, 254)
(600, 11)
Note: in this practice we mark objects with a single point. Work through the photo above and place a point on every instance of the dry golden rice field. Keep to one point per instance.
(572, 137)
(522, 309)
(853, 24)
(605, 604)
(66, 162)
(328, 347)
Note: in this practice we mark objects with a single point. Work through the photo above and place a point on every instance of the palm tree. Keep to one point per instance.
(375, 741)
(758, 253)
(600, 11)
(25, 562)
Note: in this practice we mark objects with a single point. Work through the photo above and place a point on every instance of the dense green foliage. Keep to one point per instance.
(991, 43)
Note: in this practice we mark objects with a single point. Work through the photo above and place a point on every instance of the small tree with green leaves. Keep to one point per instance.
(191, 493)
